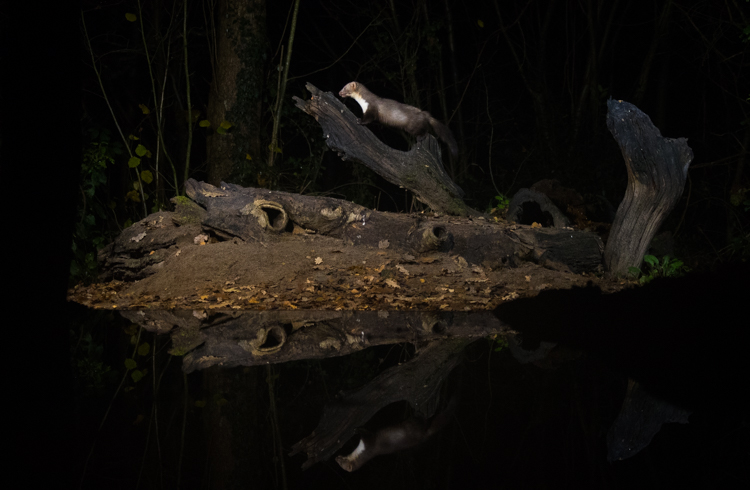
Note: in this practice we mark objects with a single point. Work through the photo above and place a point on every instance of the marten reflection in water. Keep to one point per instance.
(408, 434)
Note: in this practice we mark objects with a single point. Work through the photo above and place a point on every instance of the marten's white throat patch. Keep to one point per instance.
(355, 454)
(362, 102)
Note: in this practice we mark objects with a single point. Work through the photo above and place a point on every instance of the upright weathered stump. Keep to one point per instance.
(657, 169)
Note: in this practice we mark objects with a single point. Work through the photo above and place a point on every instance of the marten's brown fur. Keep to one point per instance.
(414, 121)
(395, 438)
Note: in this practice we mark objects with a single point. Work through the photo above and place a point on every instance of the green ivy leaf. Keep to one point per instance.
(136, 375)
(147, 176)
(134, 162)
(140, 150)
(130, 364)
(144, 349)
(133, 196)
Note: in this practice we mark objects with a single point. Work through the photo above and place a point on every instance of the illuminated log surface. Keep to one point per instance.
(234, 247)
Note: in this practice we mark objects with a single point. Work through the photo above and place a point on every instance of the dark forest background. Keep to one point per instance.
(522, 84)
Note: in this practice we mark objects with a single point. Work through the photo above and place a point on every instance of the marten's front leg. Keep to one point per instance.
(368, 117)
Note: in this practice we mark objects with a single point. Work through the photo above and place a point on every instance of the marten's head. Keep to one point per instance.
(349, 89)
(361, 454)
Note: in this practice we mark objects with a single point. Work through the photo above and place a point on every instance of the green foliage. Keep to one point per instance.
(502, 203)
(89, 368)
(90, 373)
(143, 349)
(668, 267)
(220, 400)
(499, 343)
(89, 236)
(224, 127)
(137, 375)
(738, 248)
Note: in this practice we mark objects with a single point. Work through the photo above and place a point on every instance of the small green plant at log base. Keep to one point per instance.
(668, 267)
(499, 343)
(501, 206)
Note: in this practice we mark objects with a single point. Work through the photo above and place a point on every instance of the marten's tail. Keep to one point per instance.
(445, 134)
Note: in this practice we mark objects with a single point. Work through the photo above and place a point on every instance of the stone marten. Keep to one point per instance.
(414, 121)
(405, 435)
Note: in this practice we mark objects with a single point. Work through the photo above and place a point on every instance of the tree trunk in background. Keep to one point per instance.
(533, 78)
(234, 429)
(661, 28)
(236, 92)
(459, 125)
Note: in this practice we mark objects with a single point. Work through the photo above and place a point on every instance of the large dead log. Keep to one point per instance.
(420, 169)
(262, 217)
(657, 170)
(251, 338)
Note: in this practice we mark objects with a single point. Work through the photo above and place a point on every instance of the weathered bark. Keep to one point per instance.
(258, 214)
(420, 169)
(263, 216)
(640, 418)
(416, 381)
(657, 170)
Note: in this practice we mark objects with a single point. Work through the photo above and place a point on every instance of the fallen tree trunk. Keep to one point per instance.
(259, 217)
